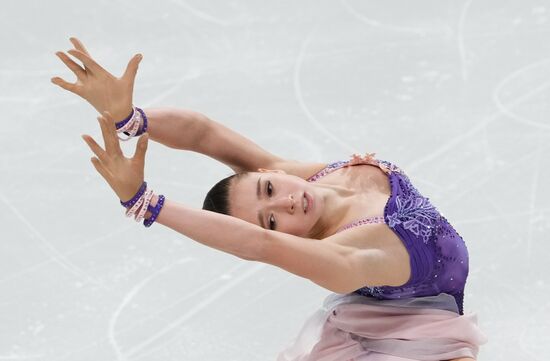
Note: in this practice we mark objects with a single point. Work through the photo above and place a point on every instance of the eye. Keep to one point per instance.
(272, 223)
(269, 188)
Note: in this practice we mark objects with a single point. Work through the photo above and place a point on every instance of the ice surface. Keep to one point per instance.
(454, 92)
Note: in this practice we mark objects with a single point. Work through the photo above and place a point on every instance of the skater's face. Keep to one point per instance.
(277, 201)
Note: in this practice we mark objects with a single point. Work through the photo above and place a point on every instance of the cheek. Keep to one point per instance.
(293, 226)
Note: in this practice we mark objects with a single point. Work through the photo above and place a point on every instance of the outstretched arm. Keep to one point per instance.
(328, 264)
(190, 130)
(175, 128)
(125, 176)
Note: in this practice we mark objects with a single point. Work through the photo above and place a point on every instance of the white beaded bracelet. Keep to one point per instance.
(132, 126)
(131, 211)
(147, 199)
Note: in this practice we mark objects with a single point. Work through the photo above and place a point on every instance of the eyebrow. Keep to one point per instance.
(260, 218)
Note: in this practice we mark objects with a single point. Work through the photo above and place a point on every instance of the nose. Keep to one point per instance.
(286, 204)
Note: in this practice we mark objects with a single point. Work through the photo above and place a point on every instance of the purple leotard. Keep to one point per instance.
(438, 255)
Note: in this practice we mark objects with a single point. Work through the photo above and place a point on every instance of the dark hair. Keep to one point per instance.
(217, 198)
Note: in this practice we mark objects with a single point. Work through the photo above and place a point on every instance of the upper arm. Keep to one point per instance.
(241, 154)
(303, 170)
(334, 266)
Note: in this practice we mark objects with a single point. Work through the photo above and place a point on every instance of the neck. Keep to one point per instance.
(336, 201)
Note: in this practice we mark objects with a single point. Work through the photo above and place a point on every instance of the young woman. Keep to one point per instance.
(356, 227)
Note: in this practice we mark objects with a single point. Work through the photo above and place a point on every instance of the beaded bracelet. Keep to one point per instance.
(144, 117)
(155, 212)
(145, 207)
(136, 197)
(126, 120)
(138, 208)
(132, 210)
(131, 125)
(141, 201)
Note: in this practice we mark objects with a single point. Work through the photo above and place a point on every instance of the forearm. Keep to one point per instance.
(190, 130)
(176, 128)
(225, 233)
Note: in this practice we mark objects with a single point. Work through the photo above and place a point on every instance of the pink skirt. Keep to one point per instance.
(357, 328)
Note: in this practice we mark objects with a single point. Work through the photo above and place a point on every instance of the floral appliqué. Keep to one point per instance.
(369, 158)
(416, 213)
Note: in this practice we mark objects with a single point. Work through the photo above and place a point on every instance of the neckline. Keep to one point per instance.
(356, 159)
(373, 219)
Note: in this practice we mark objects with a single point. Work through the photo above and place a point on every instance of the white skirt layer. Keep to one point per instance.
(357, 328)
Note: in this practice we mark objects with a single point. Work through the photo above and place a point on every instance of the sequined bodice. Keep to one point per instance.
(438, 255)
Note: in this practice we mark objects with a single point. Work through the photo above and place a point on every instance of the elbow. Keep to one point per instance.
(255, 250)
(265, 246)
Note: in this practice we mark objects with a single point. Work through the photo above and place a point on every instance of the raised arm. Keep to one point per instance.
(330, 262)
(175, 128)
(222, 232)
(190, 130)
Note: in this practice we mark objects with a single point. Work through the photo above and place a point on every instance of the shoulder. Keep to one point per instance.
(303, 170)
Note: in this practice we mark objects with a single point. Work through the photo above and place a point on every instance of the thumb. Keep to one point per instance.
(132, 67)
(141, 148)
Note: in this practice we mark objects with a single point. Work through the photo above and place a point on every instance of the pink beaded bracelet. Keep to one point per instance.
(130, 212)
(138, 206)
(137, 212)
(130, 125)
(148, 196)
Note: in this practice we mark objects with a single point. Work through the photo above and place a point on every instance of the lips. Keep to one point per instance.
(309, 204)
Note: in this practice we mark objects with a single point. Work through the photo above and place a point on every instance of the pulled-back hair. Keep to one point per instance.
(217, 198)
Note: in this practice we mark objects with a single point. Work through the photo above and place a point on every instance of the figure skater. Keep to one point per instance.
(356, 227)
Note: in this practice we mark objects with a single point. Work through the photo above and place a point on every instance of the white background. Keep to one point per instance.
(454, 92)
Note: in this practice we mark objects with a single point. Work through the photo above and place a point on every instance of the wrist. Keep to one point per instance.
(130, 200)
(144, 205)
(133, 125)
(122, 113)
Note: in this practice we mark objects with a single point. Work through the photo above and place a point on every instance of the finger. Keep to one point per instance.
(72, 87)
(101, 169)
(86, 60)
(141, 148)
(79, 46)
(76, 69)
(132, 68)
(98, 151)
(108, 129)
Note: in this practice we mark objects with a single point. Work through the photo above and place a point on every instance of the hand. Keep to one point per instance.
(96, 85)
(124, 175)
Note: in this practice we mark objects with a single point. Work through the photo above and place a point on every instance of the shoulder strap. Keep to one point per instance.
(360, 222)
(355, 159)
(328, 169)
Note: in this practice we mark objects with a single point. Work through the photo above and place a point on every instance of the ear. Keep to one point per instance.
(263, 170)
